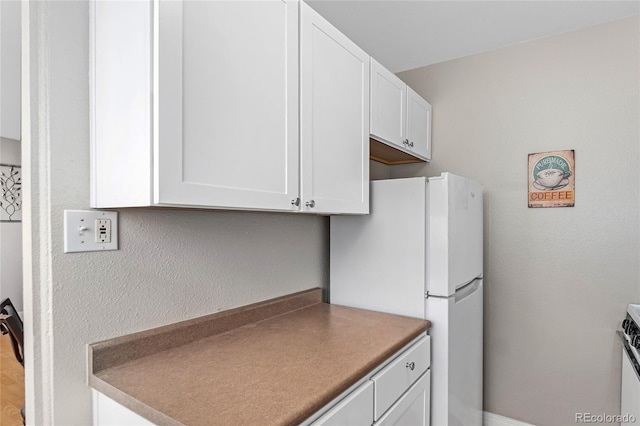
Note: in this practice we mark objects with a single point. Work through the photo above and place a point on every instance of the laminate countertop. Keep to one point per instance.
(271, 363)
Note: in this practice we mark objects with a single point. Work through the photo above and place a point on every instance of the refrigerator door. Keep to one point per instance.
(455, 233)
(377, 261)
(456, 359)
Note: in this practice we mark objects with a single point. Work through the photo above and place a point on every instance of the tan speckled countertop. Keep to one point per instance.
(275, 362)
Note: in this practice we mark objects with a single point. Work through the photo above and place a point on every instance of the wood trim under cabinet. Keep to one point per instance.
(386, 154)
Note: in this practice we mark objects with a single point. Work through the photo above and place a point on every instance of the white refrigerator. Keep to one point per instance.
(419, 254)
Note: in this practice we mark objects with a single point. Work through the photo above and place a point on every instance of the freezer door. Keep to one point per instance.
(378, 260)
(455, 233)
(456, 357)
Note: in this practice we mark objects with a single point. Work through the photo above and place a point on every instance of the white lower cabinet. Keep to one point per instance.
(107, 412)
(397, 392)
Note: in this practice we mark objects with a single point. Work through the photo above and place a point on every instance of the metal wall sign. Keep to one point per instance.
(552, 179)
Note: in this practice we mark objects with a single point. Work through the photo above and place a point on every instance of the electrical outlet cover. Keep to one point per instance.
(80, 230)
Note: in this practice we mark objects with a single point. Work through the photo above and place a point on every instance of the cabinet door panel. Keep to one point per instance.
(334, 119)
(412, 409)
(388, 105)
(419, 124)
(226, 130)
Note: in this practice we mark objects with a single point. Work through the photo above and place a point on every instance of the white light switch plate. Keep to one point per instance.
(90, 230)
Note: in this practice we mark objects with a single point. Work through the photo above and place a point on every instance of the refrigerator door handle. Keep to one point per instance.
(467, 289)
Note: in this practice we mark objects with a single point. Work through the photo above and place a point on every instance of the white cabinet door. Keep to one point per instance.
(334, 119)
(226, 104)
(388, 105)
(418, 124)
(412, 409)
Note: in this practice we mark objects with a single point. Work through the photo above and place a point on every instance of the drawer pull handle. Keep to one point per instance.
(411, 365)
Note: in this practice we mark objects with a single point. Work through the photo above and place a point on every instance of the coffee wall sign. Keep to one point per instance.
(552, 179)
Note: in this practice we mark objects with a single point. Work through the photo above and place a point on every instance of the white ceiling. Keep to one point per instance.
(403, 35)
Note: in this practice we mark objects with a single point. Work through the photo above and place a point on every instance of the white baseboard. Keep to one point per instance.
(490, 419)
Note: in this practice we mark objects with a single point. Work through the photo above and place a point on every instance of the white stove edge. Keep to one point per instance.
(634, 311)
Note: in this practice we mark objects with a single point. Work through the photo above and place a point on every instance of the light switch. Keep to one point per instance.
(90, 230)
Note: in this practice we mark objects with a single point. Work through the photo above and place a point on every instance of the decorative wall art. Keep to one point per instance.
(552, 179)
(10, 193)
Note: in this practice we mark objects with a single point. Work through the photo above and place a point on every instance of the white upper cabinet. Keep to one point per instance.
(418, 130)
(197, 104)
(227, 104)
(334, 119)
(400, 120)
(388, 105)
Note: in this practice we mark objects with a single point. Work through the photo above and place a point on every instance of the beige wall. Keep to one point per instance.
(558, 281)
(171, 265)
(10, 75)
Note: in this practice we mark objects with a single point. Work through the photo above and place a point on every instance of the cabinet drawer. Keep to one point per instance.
(394, 379)
(355, 409)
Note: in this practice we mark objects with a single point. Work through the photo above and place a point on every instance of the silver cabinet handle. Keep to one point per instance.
(411, 144)
(311, 204)
(411, 365)
(295, 202)
(405, 142)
